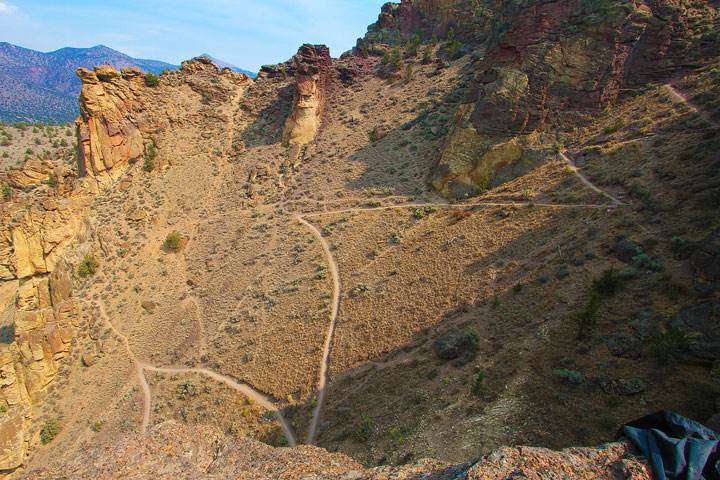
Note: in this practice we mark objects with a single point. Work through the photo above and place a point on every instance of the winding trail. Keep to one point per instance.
(679, 97)
(322, 382)
(587, 182)
(264, 400)
(140, 368)
(257, 397)
(334, 273)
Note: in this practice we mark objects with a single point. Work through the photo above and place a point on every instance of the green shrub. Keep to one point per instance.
(453, 49)
(643, 262)
(50, 430)
(6, 192)
(427, 55)
(97, 426)
(88, 266)
(397, 435)
(148, 164)
(588, 316)
(174, 241)
(152, 80)
(608, 284)
(52, 180)
(421, 212)
(472, 336)
(668, 345)
(518, 288)
(478, 384)
(364, 428)
(615, 126)
(570, 376)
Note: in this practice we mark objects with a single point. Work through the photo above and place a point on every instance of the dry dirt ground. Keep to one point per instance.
(28, 140)
(250, 295)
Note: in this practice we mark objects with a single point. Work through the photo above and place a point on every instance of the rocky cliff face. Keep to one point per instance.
(119, 112)
(312, 75)
(45, 317)
(540, 65)
(112, 123)
(171, 450)
(37, 236)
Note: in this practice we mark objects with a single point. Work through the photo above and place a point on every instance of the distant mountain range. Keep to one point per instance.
(37, 86)
(222, 64)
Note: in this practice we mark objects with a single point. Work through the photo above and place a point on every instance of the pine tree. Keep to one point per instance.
(434, 39)
(396, 59)
(408, 72)
(451, 34)
(427, 55)
(410, 49)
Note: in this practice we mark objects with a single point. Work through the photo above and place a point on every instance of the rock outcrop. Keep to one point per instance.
(119, 111)
(45, 318)
(37, 234)
(312, 72)
(171, 451)
(112, 121)
(540, 66)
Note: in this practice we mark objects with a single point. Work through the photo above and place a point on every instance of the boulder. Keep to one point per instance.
(450, 346)
(702, 323)
(625, 251)
(106, 73)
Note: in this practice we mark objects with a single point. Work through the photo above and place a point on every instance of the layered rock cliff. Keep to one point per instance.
(312, 75)
(540, 66)
(45, 318)
(120, 111)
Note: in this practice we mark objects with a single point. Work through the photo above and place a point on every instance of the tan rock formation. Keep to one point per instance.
(111, 123)
(311, 76)
(37, 234)
(45, 317)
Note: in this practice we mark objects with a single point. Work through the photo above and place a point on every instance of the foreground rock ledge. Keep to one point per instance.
(174, 451)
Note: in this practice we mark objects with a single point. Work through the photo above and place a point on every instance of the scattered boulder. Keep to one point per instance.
(379, 132)
(137, 215)
(621, 386)
(451, 346)
(106, 73)
(625, 251)
(702, 323)
(148, 305)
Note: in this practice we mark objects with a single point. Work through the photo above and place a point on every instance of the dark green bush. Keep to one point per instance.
(588, 316)
(478, 384)
(152, 80)
(50, 430)
(364, 428)
(173, 241)
(668, 345)
(88, 266)
(608, 284)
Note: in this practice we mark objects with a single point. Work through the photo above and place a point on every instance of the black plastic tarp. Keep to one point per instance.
(677, 447)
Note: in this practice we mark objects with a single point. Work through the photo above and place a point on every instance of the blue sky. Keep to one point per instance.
(246, 33)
